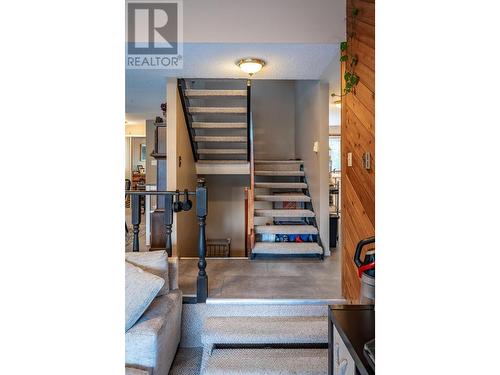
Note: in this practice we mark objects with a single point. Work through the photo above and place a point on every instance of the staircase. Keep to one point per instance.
(255, 345)
(284, 222)
(216, 114)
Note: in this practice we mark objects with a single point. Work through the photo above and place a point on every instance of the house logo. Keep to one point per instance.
(154, 34)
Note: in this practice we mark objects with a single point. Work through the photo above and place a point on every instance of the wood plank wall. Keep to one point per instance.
(358, 137)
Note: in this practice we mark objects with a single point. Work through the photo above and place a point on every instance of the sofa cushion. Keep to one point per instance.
(155, 262)
(152, 342)
(136, 371)
(141, 288)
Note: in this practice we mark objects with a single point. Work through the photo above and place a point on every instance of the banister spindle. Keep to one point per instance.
(136, 219)
(168, 220)
(201, 213)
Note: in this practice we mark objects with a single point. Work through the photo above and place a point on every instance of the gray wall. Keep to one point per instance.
(273, 109)
(311, 124)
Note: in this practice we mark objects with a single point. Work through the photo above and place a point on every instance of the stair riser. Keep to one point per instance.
(277, 167)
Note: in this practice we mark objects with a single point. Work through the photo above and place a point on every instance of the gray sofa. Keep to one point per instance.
(151, 343)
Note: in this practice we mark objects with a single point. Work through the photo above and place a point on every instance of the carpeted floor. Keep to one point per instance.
(187, 361)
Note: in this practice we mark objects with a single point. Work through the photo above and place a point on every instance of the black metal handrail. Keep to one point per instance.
(249, 117)
(181, 84)
(201, 212)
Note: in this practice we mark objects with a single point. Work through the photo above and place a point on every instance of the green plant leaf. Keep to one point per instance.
(343, 58)
(355, 11)
(343, 46)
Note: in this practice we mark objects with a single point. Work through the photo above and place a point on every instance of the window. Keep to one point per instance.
(334, 147)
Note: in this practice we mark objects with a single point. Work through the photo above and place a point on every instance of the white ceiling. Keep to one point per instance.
(298, 39)
(263, 21)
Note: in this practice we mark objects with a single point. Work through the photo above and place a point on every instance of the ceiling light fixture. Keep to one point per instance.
(251, 65)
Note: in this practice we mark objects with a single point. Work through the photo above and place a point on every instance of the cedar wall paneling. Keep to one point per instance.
(358, 137)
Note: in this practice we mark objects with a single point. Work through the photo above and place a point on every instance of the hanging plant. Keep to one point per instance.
(351, 79)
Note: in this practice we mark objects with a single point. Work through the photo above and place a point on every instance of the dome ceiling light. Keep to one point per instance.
(251, 65)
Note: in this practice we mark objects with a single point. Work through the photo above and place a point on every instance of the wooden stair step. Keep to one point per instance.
(284, 213)
(286, 229)
(279, 173)
(287, 248)
(205, 93)
(283, 198)
(217, 109)
(219, 138)
(222, 151)
(281, 185)
(219, 125)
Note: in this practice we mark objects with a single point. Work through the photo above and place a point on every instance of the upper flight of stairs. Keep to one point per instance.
(216, 115)
(282, 206)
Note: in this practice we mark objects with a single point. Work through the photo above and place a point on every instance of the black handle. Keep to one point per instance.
(359, 247)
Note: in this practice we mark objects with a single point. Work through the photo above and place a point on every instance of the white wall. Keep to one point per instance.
(311, 124)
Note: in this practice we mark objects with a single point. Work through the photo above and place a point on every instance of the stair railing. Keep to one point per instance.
(188, 118)
(250, 192)
(201, 212)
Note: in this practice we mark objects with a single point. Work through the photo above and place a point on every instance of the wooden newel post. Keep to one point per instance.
(136, 219)
(201, 213)
(168, 220)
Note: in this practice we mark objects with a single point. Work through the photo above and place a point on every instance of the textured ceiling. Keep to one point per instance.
(145, 89)
(263, 21)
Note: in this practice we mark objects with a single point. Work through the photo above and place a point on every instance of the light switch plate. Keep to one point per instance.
(316, 146)
(349, 159)
(367, 160)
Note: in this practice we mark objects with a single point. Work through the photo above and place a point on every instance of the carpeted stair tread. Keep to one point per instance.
(217, 110)
(284, 213)
(222, 151)
(267, 362)
(283, 198)
(219, 93)
(219, 138)
(278, 162)
(279, 173)
(265, 330)
(220, 161)
(287, 248)
(286, 229)
(281, 185)
(219, 125)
